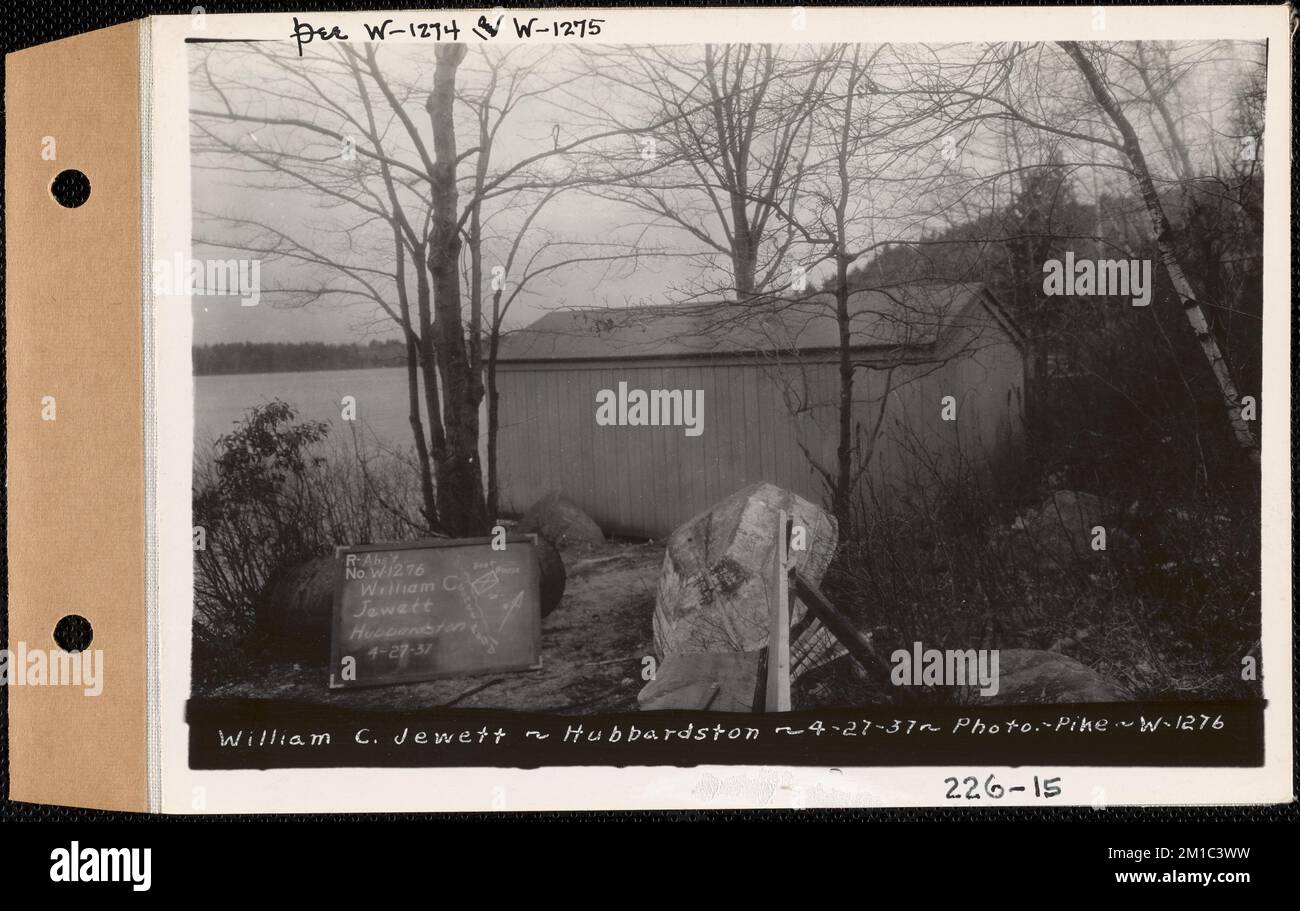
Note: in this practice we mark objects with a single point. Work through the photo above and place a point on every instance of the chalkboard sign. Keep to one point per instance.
(429, 609)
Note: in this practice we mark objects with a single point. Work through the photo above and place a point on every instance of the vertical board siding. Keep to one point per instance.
(646, 481)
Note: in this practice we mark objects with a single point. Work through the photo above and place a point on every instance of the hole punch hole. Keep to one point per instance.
(73, 633)
(70, 189)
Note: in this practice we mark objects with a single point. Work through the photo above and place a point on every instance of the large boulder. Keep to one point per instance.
(553, 575)
(716, 681)
(557, 519)
(717, 576)
(295, 610)
(1033, 677)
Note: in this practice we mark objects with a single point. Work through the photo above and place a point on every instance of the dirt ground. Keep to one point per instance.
(592, 646)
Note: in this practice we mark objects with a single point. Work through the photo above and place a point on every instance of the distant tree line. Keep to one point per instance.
(294, 357)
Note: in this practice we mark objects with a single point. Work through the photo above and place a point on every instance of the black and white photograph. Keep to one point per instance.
(585, 380)
(647, 414)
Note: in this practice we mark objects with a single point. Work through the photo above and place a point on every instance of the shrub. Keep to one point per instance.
(1168, 610)
(274, 493)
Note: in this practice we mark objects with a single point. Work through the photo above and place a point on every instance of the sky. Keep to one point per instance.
(228, 190)
(297, 211)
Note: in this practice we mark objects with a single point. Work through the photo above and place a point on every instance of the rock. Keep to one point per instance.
(295, 611)
(556, 518)
(717, 681)
(1061, 528)
(717, 574)
(553, 575)
(1033, 677)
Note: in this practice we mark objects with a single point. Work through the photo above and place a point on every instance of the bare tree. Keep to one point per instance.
(401, 180)
(721, 151)
(874, 175)
(1130, 146)
(533, 257)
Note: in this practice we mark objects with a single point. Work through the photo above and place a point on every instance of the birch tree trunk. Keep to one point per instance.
(1132, 150)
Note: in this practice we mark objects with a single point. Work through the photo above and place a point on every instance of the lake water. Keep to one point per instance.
(380, 393)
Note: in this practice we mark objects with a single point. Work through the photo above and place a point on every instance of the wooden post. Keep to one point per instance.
(778, 643)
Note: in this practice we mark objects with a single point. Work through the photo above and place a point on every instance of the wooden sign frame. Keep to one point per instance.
(777, 696)
(340, 578)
